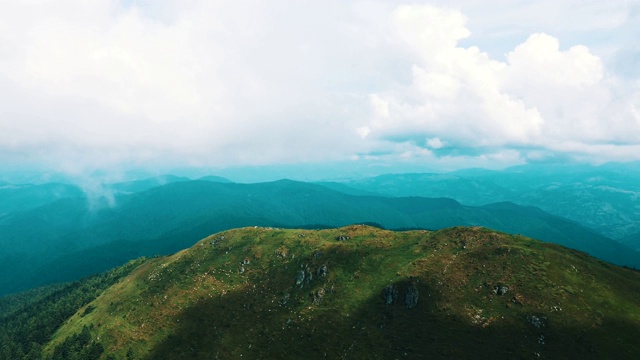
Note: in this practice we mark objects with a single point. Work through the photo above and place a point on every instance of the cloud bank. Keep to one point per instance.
(94, 85)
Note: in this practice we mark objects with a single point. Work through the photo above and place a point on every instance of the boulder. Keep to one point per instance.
(322, 271)
(500, 289)
(317, 296)
(285, 299)
(411, 296)
(390, 294)
(299, 278)
(538, 321)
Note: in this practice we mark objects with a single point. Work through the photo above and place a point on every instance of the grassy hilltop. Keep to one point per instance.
(362, 292)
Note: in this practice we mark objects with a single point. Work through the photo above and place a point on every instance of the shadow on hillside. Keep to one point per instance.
(240, 325)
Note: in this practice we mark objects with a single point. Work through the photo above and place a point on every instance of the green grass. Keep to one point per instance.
(199, 303)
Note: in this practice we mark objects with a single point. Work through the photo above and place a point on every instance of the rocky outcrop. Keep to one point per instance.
(411, 296)
(322, 271)
(390, 294)
(537, 321)
(500, 289)
(317, 296)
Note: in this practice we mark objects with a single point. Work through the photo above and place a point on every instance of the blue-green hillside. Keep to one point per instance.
(75, 237)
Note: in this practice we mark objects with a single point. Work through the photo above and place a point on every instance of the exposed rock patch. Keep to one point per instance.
(538, 321)
(390, 294)
(411, 296)
(281, 252)
(322, 271)
(317, 296)
(500, 289)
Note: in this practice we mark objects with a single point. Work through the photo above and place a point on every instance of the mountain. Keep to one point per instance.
(347, 189)
(469, 190)
(353, 292)
(68, 239)
(213, 178)
(632, 241)
(603, 198)
(21, 197)
(134, 186)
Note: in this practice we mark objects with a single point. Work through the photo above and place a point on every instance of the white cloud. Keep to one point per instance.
(540, 61)
(540, 97)
(199, 82)
(455, 92)
(435, 143)
(101, 83)
(430, 30)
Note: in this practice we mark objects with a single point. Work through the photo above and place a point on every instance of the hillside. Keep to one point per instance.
(632, 241)
(603, 198)
(362, 292)
(21, 197)
(68, 239)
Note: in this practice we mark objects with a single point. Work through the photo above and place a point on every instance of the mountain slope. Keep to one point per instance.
(144, 184)
(21, 197)
(362, 292)
(603, 198)
(166, 219)
(632, 241)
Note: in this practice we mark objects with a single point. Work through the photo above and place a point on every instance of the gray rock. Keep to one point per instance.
(300, 278)
(390, 294)
(280, 253)
(537, 321)
(217, 240)
(322, 271)
(500, 289)
(308, 275)
(411, 296)
(317, 296)
(285, 299)
(541, 339)
(342, 238)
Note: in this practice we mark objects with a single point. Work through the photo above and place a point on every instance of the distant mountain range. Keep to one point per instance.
(604, 198)
(74, 236)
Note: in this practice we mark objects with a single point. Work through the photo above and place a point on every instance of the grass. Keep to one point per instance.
(234, 295)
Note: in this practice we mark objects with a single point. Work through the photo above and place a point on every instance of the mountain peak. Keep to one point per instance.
(363, 292)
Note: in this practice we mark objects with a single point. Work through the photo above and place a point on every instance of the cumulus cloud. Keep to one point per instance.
(95, 85)
(540, 97)
(455, 92)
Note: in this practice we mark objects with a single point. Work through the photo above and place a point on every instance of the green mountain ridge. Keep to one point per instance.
(67, 239)
(603, 198)
(21, 197)
(360, 292)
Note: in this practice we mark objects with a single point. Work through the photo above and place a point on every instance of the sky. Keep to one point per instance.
(105, 86)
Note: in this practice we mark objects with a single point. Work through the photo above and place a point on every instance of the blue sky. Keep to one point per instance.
(440, 85)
